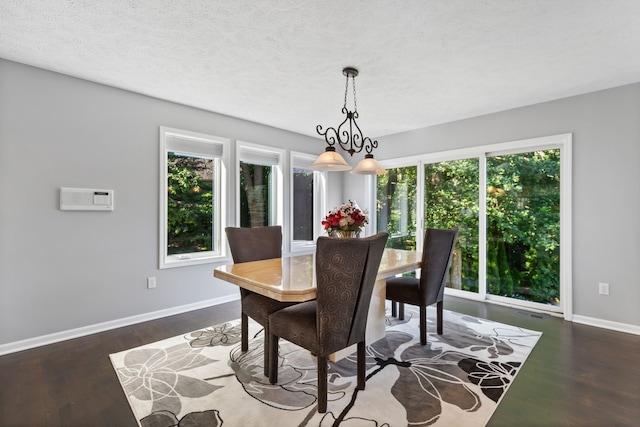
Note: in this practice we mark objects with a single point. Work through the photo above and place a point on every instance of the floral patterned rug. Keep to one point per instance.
(202, 378)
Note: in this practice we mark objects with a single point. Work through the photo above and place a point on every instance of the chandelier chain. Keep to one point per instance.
(346, 91)
(355, 101)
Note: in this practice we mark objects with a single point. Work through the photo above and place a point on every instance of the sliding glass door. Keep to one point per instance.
(506, 203)
(451, 200)
(523, 226)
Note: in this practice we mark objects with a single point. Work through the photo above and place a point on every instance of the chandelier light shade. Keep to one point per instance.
(369, 166)
(349, 137)
(330, 160)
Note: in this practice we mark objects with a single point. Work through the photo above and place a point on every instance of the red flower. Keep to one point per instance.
(348, 217)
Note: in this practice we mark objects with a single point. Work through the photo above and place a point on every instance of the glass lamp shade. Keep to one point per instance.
(330, 160)
(369, 166)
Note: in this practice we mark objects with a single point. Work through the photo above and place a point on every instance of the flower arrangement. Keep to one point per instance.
(348, 219)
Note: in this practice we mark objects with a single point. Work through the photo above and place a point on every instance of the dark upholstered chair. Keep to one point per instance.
(254, 244)
(429, 288)
(346, 271)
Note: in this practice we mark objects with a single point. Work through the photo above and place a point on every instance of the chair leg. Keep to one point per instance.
(273, 359)
(401, 311)
(244, 332)
(322, 384)
(394, 309)
(439, 309)
(361, 365)
(423, 325)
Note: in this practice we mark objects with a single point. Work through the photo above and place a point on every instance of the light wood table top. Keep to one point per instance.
(293, 278)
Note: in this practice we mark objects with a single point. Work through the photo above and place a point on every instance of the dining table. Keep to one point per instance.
(292, 279)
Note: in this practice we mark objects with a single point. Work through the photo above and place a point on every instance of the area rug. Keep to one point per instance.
(203, 379)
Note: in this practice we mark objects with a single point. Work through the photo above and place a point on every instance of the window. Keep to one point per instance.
(307, 201)
(260, 185)
(192, 197)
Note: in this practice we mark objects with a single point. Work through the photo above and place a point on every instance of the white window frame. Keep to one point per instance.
(199, 145)
(269, 156)
(303, 161)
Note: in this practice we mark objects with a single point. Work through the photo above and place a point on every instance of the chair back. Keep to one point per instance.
(254, 244)
(436, 256)
(346, 271)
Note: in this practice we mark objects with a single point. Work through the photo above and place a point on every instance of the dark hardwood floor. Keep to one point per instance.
(576, 375)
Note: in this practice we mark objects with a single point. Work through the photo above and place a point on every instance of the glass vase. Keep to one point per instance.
(344, 234)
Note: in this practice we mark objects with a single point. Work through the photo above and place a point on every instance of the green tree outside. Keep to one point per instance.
(451, 200)
(189, 204)
(396, 207)
(523, 220)
(523, 225)
(255, 195)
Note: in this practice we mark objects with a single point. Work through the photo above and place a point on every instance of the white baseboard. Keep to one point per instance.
(606, 324)
(16, 346)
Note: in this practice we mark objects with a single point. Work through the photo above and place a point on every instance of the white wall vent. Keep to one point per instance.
(85, 199)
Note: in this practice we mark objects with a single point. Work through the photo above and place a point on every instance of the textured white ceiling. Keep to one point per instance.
(279, 62)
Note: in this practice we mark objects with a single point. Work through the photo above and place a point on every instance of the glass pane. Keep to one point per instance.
(451, 200)
(396, 206)
(255, 195)
(189, 204)
(523, 226)
(302, 204)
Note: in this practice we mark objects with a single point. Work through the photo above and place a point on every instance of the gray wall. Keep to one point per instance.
(61, 270)
(606, 191)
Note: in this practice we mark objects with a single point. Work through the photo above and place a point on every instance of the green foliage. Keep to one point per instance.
(451, 200)
(523, 212)
(493, 271)
(506, 282)
(255, 190)
(396, 206)
(523, 218)
(189, 204)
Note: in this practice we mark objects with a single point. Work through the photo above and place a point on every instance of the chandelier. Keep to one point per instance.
(349, 137)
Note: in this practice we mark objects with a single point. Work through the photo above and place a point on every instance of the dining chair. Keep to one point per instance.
(346, 271)
(429, 288)
(254, 244)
